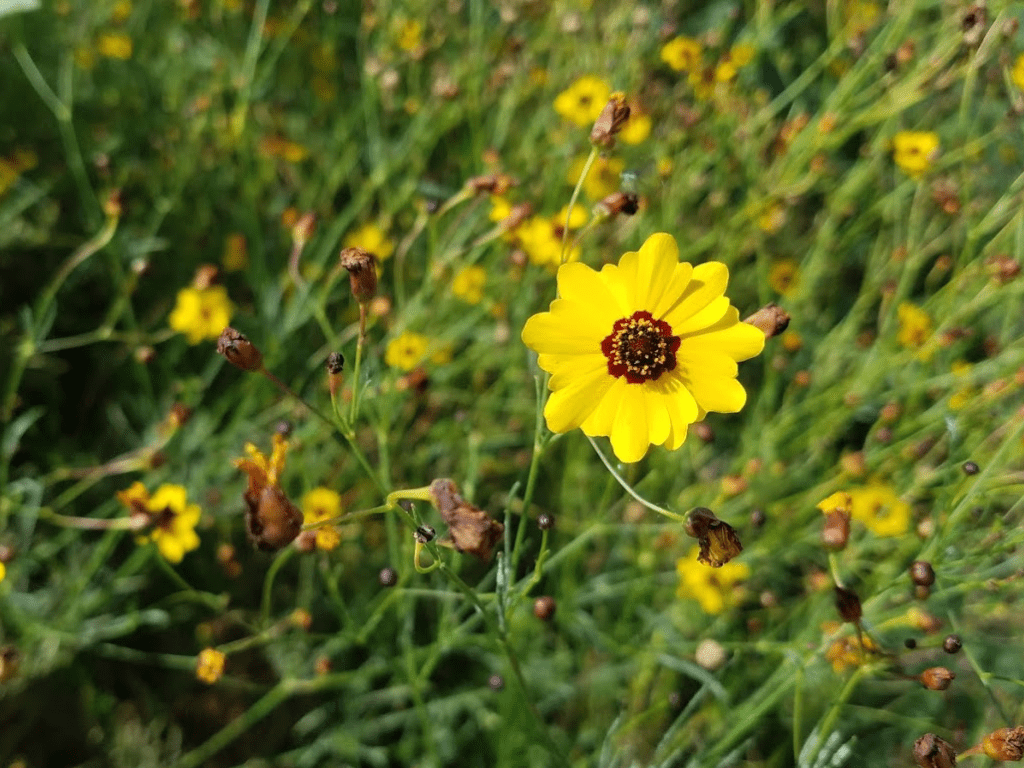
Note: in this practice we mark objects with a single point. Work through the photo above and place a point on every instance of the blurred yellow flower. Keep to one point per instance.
(114, 45)
(682, 54)
(582, 102)
(3, 571)
(541, 238)
(772, 218)
(1017, 74)
(848, 652)
(468, 284)
(278, 146)
(880, 509)
(963, 396)
(318, 505)
(637, 128)
(122, 10)
(913, 151)
(236, 253)
(641, 350)
(210, 665)
(714, 588)
(370, 238)
(500, 208)
(703, 82)
(578, 219)
(172, 518)
(201, 313)
(915, 325)
(784, 276)
(410, 35)
(841, 501)
(408, 350)
(603, 178)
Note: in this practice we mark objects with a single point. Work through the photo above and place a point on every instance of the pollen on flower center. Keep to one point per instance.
(640, 348)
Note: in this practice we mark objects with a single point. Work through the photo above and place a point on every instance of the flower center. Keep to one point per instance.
(640, 348)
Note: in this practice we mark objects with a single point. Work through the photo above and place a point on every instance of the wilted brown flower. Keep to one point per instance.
(362, 272)
(492, 183)
(836, 532)
(932, 752)
(610, 121)
(470, 529)
(771, 320)
(618, 202)
(1006, 744)
(270, 518)
(239, 351)
(718, 540)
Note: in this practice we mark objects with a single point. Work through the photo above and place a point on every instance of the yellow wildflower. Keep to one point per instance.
(880, 509)
(642, 349)
(962, 397)
(236, 253)
(201, 313)
(372, 239)
(603, 178)
(582, 102)
(915, 325)
(172, 518)
(409, 350)
(210, 665)
(682, 54)
(410, 35)
(848, 652)
(114, 45)
(730, 64)
(714, 588)
(913, 151)
(318, 505)
(578, 219)
(122, 10)
(703, 83)
(1017, 75)
(500, 208)
(784, 276)
(541, 238)
(468, 284)
(637, 127)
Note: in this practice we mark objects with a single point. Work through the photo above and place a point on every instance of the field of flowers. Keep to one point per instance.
(463, 383)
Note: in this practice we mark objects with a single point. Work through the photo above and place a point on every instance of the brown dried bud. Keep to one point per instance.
(387, 577)
(362, 272)
(836, 532)
(492, 183)
(544, 608)
(970, 468)
(922, 573)
(323, 666)
(717, 539)
(271, 519)
(470, 529)
(205, 276)
(972, 22)
(936, 678)
(932, 752)
(616, 203)
(335, 365)
(239, 351)
(7, 553)
(516, 217)
(952, 644)
(848, 605)
(704, 432)
(758, 518)
(305, 542)
(771, 320)
(610, 121)
(1006, 744)
(10, 660)
(1002, 267)
(545, 521)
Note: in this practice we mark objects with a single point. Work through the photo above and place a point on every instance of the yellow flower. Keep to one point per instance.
(500, 208)
(3, 571)
(641, 350)
(682, 54)
(637, 128)
(603, 178)
(468, 284)
(714, 588)
(962, 397)
(915, 325)
(114, 45)
(703, 82)
(913, 151)
(576, 220)
(880, 509)
(122, 10)
(1017, 75)
(541, 238)
(848, 652)
(412, 349)
(840, 501)
(210, 665)
(784, 276)
(173, 519)
(236, 253)
(370, 238)
(410, 35)
(318, 505)
(201, 313)
(582, 102)
(772, 218)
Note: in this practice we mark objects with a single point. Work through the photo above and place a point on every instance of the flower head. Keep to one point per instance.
(370, 238)
(210, 665)
(270, 518)
(682, 54)
(604, 177)
(784, 276)
(201, 313)
(468, 284)
(581, 103)
(714, 588)
(915, 325)
(1017, 75)
(880, 509)
(642, 349)
(541, 238)
(172, 519)
(318, 505)
(114, 45)
(913, 151)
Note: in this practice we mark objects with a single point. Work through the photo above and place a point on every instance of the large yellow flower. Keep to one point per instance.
(641, 350)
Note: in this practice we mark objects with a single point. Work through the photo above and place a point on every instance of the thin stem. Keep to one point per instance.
(572, 200)
(629, 489)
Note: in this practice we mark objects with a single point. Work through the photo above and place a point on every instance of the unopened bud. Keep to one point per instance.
(544, 608)
(922, 573)
(387, 577)
(848, 605)
(492, 183)
(936, 678)
(932, 752)
(239, 351)
(335, 365)
(970, 468)
(424, 534)
(610, 121)
(952, 644)
(704, 432)
(1006, 744)
(362, 272)
(771, 320)
(112, 207)
(836, 532)
(496, 682)
(616, 203)
(545, 521)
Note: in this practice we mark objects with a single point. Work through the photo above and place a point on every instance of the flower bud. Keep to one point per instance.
(616, 203)
(922, 573)
(717, 539)
(848, 605)
(970, 468)
(496, 682)
(544, 608)
(362, 272)
(545, 521)
(1005, 744)
(303, 229)
(387, 577)
(952, 644)
(271, 519)
(610, 121)
(335, 365)
(771, 320)
(492, 183)
(424, 534)
(239, 351)
(836, 532)
(932, 752)
(936, 678)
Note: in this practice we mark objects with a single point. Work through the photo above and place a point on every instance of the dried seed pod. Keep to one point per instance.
(970, 468)
(932, 752)
(470, 529)
(771, 320)
(936, 678)
(387, 577)
(239, 351)
(362, 272)
(848, 605)
(952, 644)
(610, 121)
(717, 539)
(1006, 744)
(922, 573)
(836, 532)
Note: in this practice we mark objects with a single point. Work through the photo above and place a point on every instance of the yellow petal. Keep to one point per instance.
(739, 341)
(569, 406)
(170, 548)
(606, 410)
(572, 367)
(579, 283)
(674, 288)
(721, 395)
(630, 432)
(706, 284)
(548, 333)
(696, 361)
(646, 273)
(705, 318)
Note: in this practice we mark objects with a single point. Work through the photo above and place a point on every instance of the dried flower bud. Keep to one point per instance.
(205, 276)
(424, 534)
(616, 203)
(7, 553)
(112, 206)
(758, 518)
(922, 573)
(1002, 267)
(972, 22)
(544, 608)
(496, 682)
(848, 605)
(323, 666)
(272, 521)
(970, 468)
(836, 532)
(1006, 744)
(362, 272)
(936, 678)
(932, 752)
(952, 644)
(704, 432)
(545, 521)
(910, 643)
(610, 121)
(239, 351)
(335, 365)
(717, 539)
(470, 529)
(771, 320)
(516, 217)
(387, 577)
(492, 183)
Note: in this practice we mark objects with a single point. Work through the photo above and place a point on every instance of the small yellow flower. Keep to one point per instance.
(772, 218)
(604, 177)
(578, 219)
(913, 151)
(201, 313)
(278, 146)
(173, 519)
(682, 54)
(714, 588)
(915, 325)
(3, 571)
(122, 10)
(318, 505)
(468, 284)
(370, 238)
(236, 253)
(1017, 74)
(784, 276)
(637, 128)
(500, 208)
(210, 665)
(880, 509)
(848, 652)
(407, 351)
(582, 102)
(410, 35)
(541, 238)
(114, 45)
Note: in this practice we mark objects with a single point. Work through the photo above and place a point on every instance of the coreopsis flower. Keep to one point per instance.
(1017, 75)
(913, 151)
(114, 45)
(271, 520)
(641, 350)
(201, 313)
(715, 589)
(370, 238)
(784, 276)
(171, 519)
(468, 284)
(210, 665)
(410, 35)
(541, 238)
(880, 509)
(411, 349)
(682, 54)
(915, 325)
(581, 103)
(318, 505)
(604, 177)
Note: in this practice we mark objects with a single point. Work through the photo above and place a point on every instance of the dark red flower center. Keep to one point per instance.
(640, 348)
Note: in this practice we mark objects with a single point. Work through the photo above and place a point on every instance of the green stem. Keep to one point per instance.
(268, 583)
(629, 489)
(252, 52)
(572, 200)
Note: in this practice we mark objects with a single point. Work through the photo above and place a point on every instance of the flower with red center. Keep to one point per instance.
(640, 350)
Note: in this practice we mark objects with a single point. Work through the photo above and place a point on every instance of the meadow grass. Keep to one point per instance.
(167, 169)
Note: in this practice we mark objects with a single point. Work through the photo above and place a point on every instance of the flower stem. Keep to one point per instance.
(572, 200)
(629, 489)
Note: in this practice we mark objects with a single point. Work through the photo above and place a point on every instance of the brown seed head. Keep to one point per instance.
(1006, 744)
(610, 121)
(771, 320)
(922, 573)
(952, 644)
(544, 608)
(848, 605)
(717, 539)
(618, 202)
(932, 752)
(470, 529)
(362, 272)
(239, 351)
(936, 678)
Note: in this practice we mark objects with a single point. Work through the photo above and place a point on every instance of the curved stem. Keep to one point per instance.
(629, 489)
